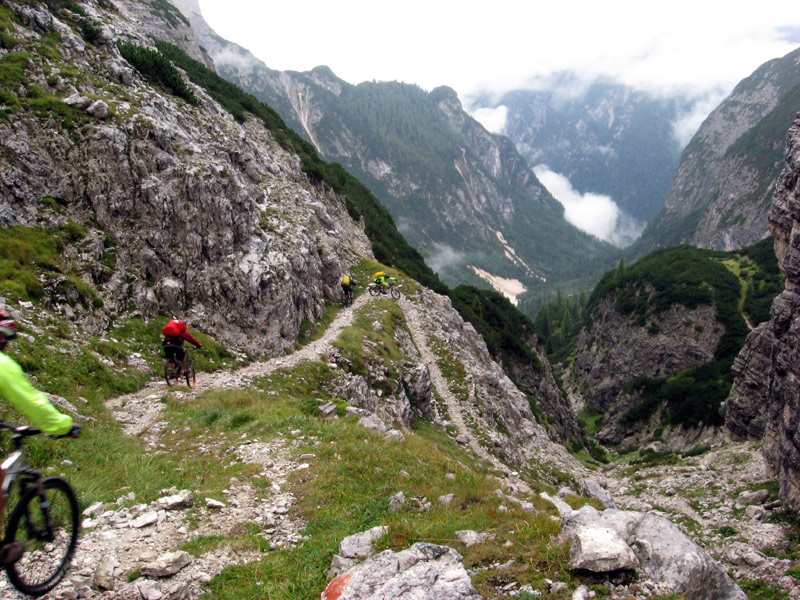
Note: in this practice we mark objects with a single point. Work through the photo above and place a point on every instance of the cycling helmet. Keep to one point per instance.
(8, 326)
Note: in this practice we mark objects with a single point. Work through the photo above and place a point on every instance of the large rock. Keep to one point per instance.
(605, 541)
(424, 571)
(591, 488)
(669, 557)
(359, 545)
(167, 565)
(601, 550)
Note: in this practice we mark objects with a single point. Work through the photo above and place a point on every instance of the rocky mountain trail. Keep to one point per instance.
(455, 409)
(126, 538)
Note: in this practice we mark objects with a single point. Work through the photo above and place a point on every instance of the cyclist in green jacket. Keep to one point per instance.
(34, 405)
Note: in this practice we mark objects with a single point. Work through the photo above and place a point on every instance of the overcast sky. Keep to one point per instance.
(503, 44)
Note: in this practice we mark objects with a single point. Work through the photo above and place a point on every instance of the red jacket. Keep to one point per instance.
(175, 332)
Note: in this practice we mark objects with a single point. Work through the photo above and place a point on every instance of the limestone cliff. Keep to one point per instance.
(192, 213)
(764, 398)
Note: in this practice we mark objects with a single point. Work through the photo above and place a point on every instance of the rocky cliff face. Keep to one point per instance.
(764, 398)
(615, 349)
(721, 191)
(201, 216)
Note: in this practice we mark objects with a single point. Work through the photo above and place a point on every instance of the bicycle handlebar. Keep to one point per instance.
(25, 431)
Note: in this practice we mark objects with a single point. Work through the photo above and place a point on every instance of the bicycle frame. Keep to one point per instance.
(15, 469)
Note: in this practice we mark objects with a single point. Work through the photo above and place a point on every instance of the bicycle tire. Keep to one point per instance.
(49, 528)
(172, 375)
(374, 290)
(395, 293)
(191, 375)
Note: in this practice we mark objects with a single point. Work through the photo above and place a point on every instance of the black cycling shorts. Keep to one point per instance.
(174, 352)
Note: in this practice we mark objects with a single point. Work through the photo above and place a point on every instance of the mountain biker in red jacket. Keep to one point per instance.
(175, 333)
(32, 403)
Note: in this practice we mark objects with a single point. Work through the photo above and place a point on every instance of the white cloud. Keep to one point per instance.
(682, 44)
(445, 257)
(596, 214)
(493, 119)
(233, 57)
(688, 124)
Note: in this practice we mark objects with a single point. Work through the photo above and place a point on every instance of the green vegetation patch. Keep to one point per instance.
(347, 490)
(372, 337)
(158, 68)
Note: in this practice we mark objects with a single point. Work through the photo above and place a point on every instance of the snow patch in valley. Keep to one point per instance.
(510, 288)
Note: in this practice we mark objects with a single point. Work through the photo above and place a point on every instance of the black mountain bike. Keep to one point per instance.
(347, 296)
(173, 371)
(376, 289)
(42, 513)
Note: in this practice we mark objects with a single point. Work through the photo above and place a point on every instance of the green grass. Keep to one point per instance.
(589, 419)
(758, 590)
(354, 474)
(372, 338)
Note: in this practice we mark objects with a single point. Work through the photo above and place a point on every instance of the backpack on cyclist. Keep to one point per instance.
(346, 281)
(379, 274)
(173, 329)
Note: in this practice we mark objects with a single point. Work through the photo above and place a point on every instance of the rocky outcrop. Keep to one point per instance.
(539, 383)
(772, 399)
(492, 407)
(615, 348)
(422, 571)
(187, 212)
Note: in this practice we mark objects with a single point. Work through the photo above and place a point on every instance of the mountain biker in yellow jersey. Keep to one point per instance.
(348, 283)
(34, 405)
(383, 279)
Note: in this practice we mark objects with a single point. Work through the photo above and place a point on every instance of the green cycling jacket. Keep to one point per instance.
(32, 403)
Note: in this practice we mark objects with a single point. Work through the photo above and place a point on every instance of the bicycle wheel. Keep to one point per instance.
(395, 293)
(48, 526)
(190, 374)
(374, 290)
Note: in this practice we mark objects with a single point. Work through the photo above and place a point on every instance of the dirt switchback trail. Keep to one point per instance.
(140, 411)
(123, 538)
(454, 407)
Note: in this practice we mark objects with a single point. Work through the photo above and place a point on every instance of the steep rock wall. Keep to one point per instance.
(766, 389)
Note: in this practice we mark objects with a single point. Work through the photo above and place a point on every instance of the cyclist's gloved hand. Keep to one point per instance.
(75, 431)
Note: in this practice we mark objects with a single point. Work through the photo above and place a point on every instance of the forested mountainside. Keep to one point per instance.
(654, 356)
(464, 197)
(722, 189)
(605, 137)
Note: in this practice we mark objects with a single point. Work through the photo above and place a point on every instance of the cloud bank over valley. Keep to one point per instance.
(596, 214)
